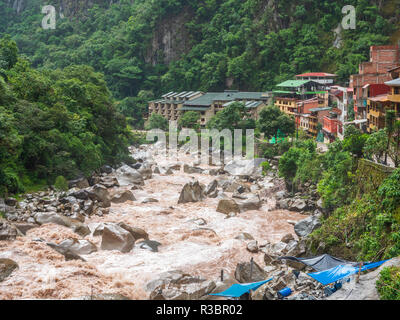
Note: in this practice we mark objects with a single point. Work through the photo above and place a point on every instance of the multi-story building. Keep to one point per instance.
(171, 103)
(174, 105)
(382, 59)
(323, 78)
(343, 97)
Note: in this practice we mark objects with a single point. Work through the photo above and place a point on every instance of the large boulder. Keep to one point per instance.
(252, 203)
(177, 285)
(127, 176)
(298, 205)
(50, 217)
(7, 266)
(191, 170)
(211, 188)
(137, 233)
(78, 246)
(8, 232)
(304, 227)
(99, 193)
(80, 183)
(245, 167)
(150, 245)
(66, 252)
(123, 196)
(116, 238)
(191, 192)
(146, 172)
(228, 206)
(247, 272)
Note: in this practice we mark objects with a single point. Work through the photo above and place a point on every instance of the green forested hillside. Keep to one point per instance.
(167, 45)
(53, 123)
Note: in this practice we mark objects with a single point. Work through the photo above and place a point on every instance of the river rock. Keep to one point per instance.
(66, 252)
(211, 188)
(76, 226)
(109, 182)
(146, 172)
(127, 176)
(12, 202)
(123, 196)
(149, 245)
(252, 246)
(78, 247)
(191, 192)
(191, 170)
(106, 169)
(245, 273)
(252, 203)
(80, 183)
(137, 233)
(245, 167)
(149, 200)
(116, 238)
(298, 205)
(287, 238)
(99, 193)
(8, 232)
(25, 227)
(7, 267)
(177, 285)
(228, 206)
(244, 236)
(306, 226)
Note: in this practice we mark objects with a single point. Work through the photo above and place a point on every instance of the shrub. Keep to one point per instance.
(388, 284)
(61, 184)
(265, 167)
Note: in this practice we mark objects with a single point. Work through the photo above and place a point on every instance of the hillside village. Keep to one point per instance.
(319, 106)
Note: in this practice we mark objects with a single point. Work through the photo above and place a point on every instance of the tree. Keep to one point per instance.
(157, 121)
(234, 116)
(189, 120)
(390, 118)
(375, 146)
(8, 53)
(272, 119)
(354, 141)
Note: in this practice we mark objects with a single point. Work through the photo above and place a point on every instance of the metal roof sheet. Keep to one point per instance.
(393, 83)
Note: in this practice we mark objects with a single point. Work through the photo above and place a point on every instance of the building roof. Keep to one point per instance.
(293, 83)
(380, 98)
(393, 83)
(317, 74)
(320, 109)
(189, 108)
(209, 98)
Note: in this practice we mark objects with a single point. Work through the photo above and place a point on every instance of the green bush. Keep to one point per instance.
(265, 167)
(61, 184)
(388, 284)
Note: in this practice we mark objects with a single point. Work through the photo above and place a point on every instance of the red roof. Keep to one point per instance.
(316, 74)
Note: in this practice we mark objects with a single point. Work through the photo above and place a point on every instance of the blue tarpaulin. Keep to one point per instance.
(237, 290)
(339, 272)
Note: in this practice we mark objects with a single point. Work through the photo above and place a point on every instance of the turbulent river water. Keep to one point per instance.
(198, 250)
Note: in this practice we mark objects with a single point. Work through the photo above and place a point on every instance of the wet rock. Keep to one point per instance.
(78, 247)
(227, 206)
(287, 238)
(252, 246)
(80, 183)
(244, 236)
(245, 167)
(306, 226)
(116, 238)
(283, 204)
(146, 172)
(123, 196)
(76, 226)
(177, 285)
(176, 167)
(191, 192)
(66, 252)
(7, 267)
(252, 203)
(99, 193)
(8, 232)
(211, 188)
(109, 182)
(137, 233)
(149, 245)
(299, 205)
(25, 227)
(80, 194)
(127, 176)
(149, 200)
(248, 272)
(191, 170)
(12, 202)
(88, 207)
(156, 170)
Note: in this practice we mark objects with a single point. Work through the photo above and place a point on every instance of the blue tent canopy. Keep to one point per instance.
(237, 290)
(339, 272)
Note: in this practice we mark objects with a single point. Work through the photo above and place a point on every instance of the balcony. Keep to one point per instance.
(394, 97)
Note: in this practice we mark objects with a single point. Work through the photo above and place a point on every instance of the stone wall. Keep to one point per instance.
(370, 175)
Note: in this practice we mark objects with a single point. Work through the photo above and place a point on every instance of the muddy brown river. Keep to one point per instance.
(198, 250)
